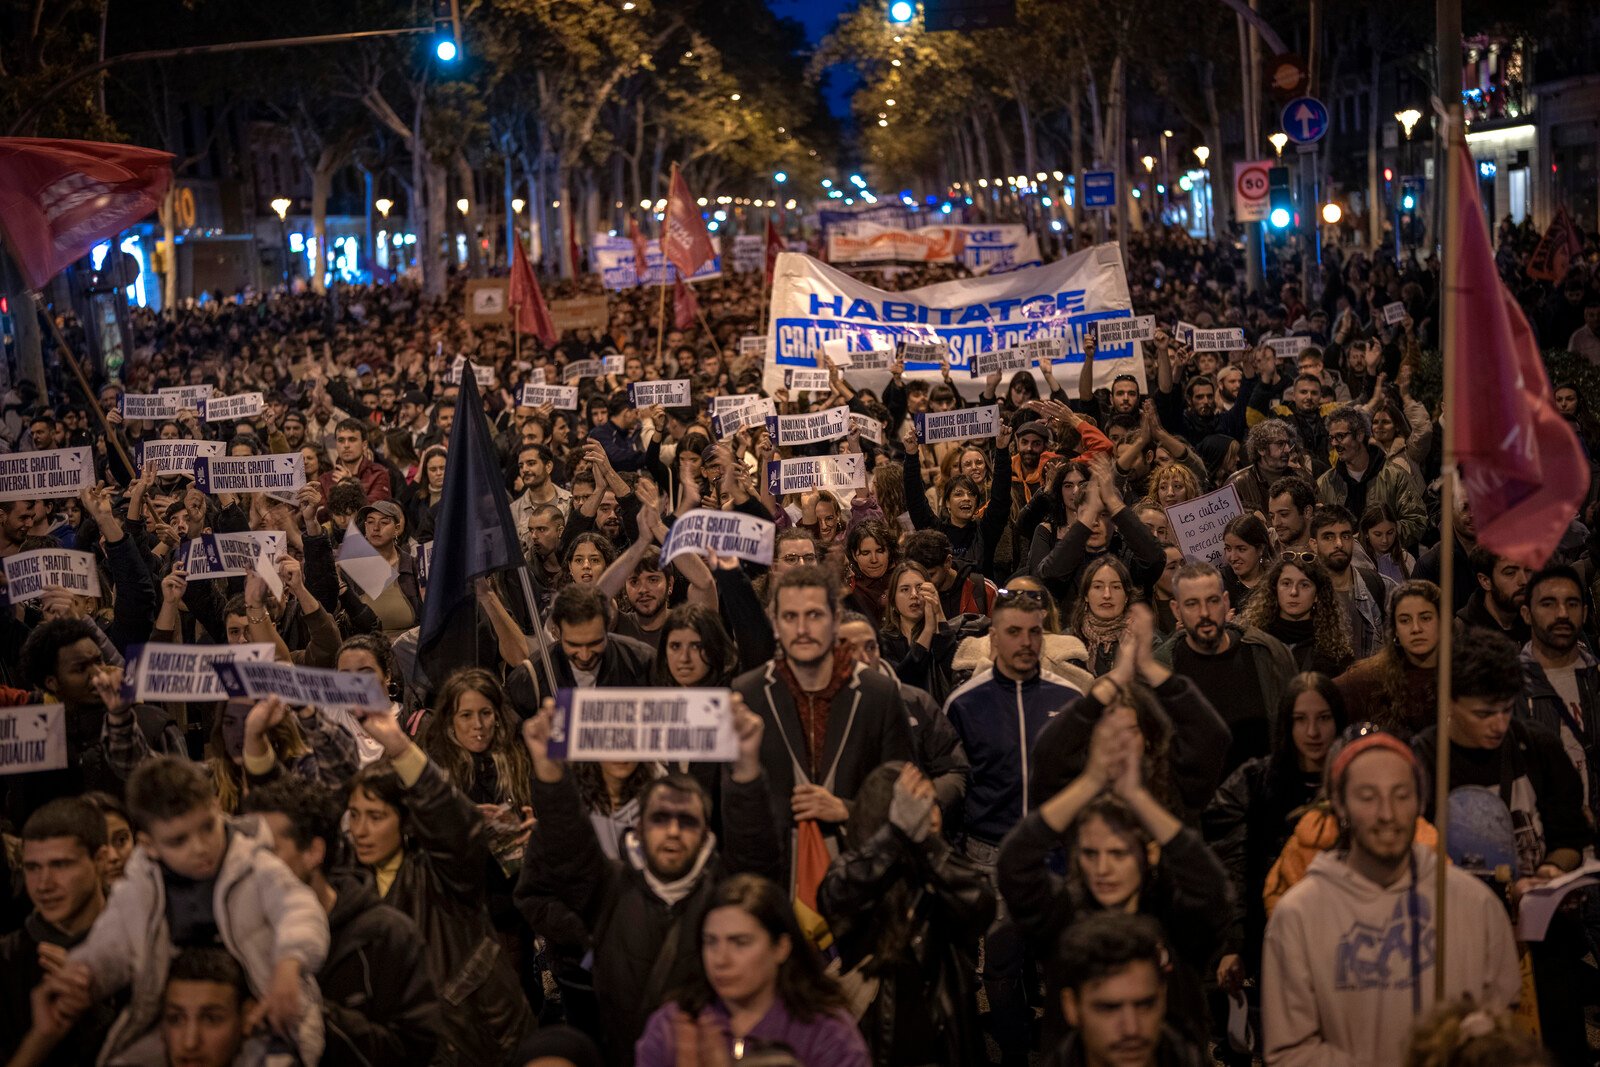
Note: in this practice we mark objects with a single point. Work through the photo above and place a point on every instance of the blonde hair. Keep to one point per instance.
(1174, 469)
(1463, 1035)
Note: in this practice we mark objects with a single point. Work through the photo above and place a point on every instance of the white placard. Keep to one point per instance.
(753, 346)
(1108, 332)
(867, 426)
(1044, 350)
(181, 674)
(423, 554)
(669, 393)
(810, 428)
(580, 369)
(1198, 524)
(484, 376)
(560, 397)
(614, 364)
(848, 471)
(238, 406)
(1002, 360)
(644, 724)
(727, 533)
(177, 457)
(151, 407)
(533, 376)
(803, 379)
(872, 359)
(960, 424)
(836, 350)
(1393, 313)
(34, 738)
(1183, 333)
(58, 472)
(925, 352)
(1225, 339)
(189, 396)
(280, 472)
(229, 555)
(735, 418)
(28, 573)
(1288, 347)
(351, 690)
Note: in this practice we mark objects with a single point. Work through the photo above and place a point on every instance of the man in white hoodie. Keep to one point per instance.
(1348, 963)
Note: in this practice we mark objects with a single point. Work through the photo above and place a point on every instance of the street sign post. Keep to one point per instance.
(1099, 188)
(1250, 187)
(1305, 119)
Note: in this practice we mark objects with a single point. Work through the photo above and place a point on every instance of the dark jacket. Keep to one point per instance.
(1538, 702)
(1200, 740)
(440, 887)
(20, 972)
(939, 754)
(1064, 563)
(926, 1008)
(867, 725)
(1172, 1050)
(978, 539)
(379, 1005)
(928, 668)
(643, 947)
(622, 449)
(625, 662)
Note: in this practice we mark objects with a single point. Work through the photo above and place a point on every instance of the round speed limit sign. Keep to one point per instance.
(1250, 190)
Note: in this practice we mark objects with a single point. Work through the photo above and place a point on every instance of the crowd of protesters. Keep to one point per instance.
(1084, 801)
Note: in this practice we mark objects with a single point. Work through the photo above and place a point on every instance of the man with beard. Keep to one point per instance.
(641, 915)
(638, 575)
(1345, 970)
(1560, 677)
(606, 506)
(413, 418)
(586, 653)
(1268, 447)
(1497, 604)
(1363, 475)
(1361, 589)
(542, 542)
(293, 426)
(1240, 669)
(1305, 412)
(829, 720)
(534, 465)
(1198, 417)
(1290, 502)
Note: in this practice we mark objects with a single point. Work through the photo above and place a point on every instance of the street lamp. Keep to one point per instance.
(281, 205)
(1278, 141)
(383, 204)
(1408, 119)
(780, 177)
(517, 204)
(1332, 213)
(1202, 154)
(463, 204)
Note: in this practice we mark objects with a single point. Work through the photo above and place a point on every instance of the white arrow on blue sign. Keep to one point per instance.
(1305, 119)
(1099, 188)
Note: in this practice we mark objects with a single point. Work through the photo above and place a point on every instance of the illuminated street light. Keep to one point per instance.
(780, 177)
(1332, 213)
(1202, 154)
(517, 204)
(1278, 140)
(902, 11)
(1149, 163)
(1408, 119)
(463, 204)
(383, 204)
(281, 206)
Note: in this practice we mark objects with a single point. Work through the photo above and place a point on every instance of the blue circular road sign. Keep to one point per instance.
(1305, 119)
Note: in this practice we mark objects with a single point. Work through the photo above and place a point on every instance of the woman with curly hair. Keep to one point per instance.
(1465, 1035)
(1397, 687)
(1297, 605)
(1173, 483)
(475, 736)
(889, 489)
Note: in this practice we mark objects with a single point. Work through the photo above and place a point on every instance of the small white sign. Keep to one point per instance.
(753, 346)
(786, 476)
(580, 369)
(560, 397)
(1000, 361)
(57, 472)
(1288, 347)
(733, 419)
(282, 472)
(238, 406)
(1108, 333)
(1225, 339)
(960, 424)
(806, 379)
(1393, 313)
(727, 533)
(230, 555)
(351, 690)
(670, 393)
(33, 738)
(867, 426)
(151, 407)
(644, 724)
(1198, 524)
(177, 457)
(182, 673)
(810, 428)
(29, 573)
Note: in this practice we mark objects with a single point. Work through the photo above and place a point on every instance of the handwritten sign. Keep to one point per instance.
(177, 457)
(29, 573)
(671, 393)
(644, 724)
(999, 361)
(349, 690)
(1226, 339)
(34, 738)
(282, 472)
(1393, 313)
(1198, 524)
(57, 472)
(733, 419)
(151, 407)
(810, 428)
(727, 533)
(230, 555)
(183, 674)
(961, 424)
(580, 369)
(1108, 333)
(787, 476)
(560, 397)
(806, 379)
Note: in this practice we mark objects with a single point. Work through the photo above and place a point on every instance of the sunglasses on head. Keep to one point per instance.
(1299, 557)
(1019, 596)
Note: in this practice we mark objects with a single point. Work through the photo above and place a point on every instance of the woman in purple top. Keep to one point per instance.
(761, 986)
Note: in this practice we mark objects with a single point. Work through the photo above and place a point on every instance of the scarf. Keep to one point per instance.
(1102, 633)
(813, 707)
(675, 890)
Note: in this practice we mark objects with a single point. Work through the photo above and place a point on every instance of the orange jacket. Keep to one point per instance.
(1317, 831)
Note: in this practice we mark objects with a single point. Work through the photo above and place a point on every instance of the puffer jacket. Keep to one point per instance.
(440, 887)
(264, 915)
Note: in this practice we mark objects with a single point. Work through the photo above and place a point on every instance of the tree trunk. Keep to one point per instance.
(1030, 144)
(438, 252)
(169, 232)
(563, 224)
(476, 209)
(981, 142)
(1375, 205)
(321, 188)
(1075, 107)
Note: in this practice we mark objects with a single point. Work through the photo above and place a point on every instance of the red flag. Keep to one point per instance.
(641, 255)
(58, 199)
(1520, 461)
(684, 241)
(1555, 249)
(774, 246)
(684, 305)
(527, 301)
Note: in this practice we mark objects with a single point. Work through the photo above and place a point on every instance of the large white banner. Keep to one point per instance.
(981, 248)
(612, 258)
(812, 302)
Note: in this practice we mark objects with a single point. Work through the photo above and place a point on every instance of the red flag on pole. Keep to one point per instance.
(684, 241)
(1555, 249)
(685, 306)
(641, 255)
(527, 301)
(1521, 464)
(58, 199)
(774, 246)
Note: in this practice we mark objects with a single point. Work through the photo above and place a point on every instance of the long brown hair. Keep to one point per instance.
(891, 612)
(1329, 630)
(1396, 711)
(288, 743)
(511, 764)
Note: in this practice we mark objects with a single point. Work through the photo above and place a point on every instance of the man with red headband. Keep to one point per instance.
(1348, 963)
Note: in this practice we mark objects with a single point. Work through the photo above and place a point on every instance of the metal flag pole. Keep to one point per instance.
(538, 629)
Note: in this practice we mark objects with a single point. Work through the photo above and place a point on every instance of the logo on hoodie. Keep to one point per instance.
(1380, 957)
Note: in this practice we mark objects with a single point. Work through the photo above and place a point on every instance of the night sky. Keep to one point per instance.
(818, 17)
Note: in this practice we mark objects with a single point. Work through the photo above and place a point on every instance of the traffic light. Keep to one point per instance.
(901, 11)
(446, 30)
(1410, 194)
(1280, 204)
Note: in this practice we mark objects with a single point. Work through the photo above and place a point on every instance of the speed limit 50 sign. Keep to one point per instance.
(1250, 191)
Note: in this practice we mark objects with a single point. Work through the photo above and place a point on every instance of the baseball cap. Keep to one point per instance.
(383, 507)
(1037, 428)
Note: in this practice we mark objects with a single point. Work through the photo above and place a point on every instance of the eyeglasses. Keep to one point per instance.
(796, 560)
(1299, 557)
(1019, 596)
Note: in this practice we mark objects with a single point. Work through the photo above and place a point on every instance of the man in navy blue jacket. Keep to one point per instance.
(619, 434)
